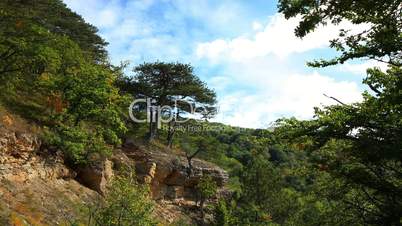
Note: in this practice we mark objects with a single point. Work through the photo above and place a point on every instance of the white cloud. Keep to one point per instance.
(257, 26)
(277, 38)
(257, 82)
(103, 14)
(149, 22)
(268, 83)
(295, 95)
(361, 68)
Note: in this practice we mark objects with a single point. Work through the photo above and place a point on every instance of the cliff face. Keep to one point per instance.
(37, 188)
(167, 174)
(171, 187)
(20, 160)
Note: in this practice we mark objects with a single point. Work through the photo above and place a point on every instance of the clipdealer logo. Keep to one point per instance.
(169, 113)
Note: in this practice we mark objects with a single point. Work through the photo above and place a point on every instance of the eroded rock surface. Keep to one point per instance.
(97, 175)
(168, 176)
(20, 159)
(36, 187)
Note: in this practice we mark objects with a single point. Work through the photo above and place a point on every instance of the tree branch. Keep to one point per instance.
(193, 155)
(334, 99)
(374, 89)
(390, 61)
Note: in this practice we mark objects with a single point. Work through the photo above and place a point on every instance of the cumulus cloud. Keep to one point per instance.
(293, 95)
(277, 38)
(269, 85)
(361, 68)
(158, 28)
(102, 13)
(249, 63)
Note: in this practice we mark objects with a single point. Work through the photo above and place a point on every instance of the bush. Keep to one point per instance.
(77, 143)
(126, 203)
(223, 214)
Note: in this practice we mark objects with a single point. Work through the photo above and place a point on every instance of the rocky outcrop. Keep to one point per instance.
(167, 173)
(36, 187)
(97, 175)
(20, 159)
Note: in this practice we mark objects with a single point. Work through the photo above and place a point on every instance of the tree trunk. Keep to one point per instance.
(171, 131)
(156, 121)
(151, 124)
(190, 166)
(202, 209)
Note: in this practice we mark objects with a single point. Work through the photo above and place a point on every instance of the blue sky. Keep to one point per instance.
(243, 49)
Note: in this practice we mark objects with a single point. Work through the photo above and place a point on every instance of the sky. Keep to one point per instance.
(244, 49)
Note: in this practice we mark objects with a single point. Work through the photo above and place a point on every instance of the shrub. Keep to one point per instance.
(126, 203)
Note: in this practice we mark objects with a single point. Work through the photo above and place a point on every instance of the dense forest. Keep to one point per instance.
(343, 167)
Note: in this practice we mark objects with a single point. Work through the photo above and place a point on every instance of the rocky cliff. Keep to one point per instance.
(167, 173)
(37, 188)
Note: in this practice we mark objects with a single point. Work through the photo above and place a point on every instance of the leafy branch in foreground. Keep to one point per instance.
(382, 22)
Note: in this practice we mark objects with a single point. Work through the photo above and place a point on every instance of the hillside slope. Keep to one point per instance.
(37, 188)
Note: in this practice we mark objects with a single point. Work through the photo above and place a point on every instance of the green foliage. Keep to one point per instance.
(206, 187)
(81, 97)
(54, 17)
(359, 146)
(381, 39)
(79, 145)
(342, 168)
(53, 76)
(163, 81)
(174, 85)
(355, 150)
(127, 204)
(224, 215)
(263, 196)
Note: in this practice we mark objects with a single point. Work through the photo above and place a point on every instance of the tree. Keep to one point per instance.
(56, 18)
(222, 216)
(90, 104)
(381, 39)
(206, 189)
(262, 185)
(359, 144)
(191, 150)
(172, 84)
(194, 146)
(50, 79)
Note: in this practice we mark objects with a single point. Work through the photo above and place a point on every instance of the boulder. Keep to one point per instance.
(96, 176)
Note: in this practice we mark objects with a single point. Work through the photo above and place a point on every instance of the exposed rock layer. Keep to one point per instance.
(167, 173)
(36, 188)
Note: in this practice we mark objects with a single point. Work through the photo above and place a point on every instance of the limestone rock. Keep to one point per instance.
(20, 159)
(167, 173)
(97, 175)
